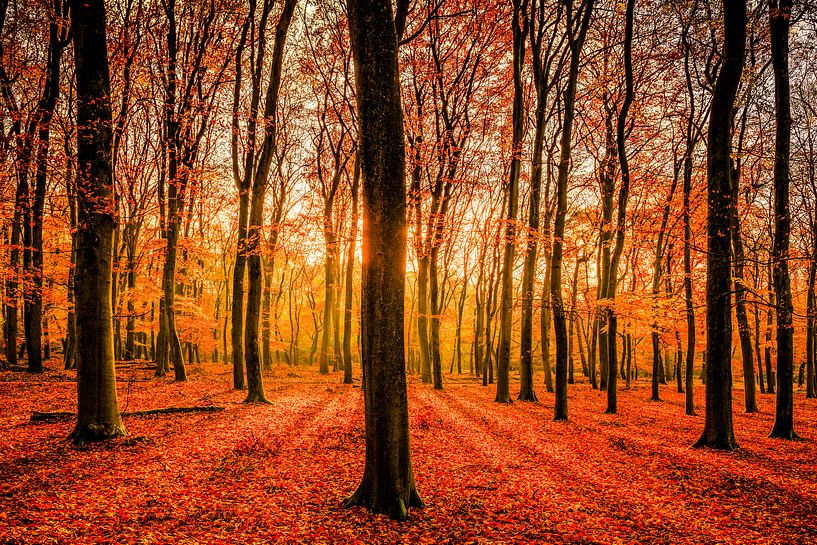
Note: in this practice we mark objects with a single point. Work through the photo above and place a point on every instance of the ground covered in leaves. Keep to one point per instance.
(487, 472)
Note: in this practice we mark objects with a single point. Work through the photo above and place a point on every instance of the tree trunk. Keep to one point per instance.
(520, 29)
(779, 15)
(97, 408)
(545, 319)
(688, 303)
(559, 321)
(422, 318)
(266, 349)
(252, 355)
(172, 345)
(350, 275)
(436, 309)
(744, 332)
(718, 432)
(767, 352)
(624, 192)
(252, 352)
(811, 380)
(388, 481)
(526, 389)
(327, 308)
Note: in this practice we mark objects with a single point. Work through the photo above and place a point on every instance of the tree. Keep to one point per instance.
(577, 24)
(779, 16)
(190, 80)
(718, 432)
(98, 411)
(252, 358)
(543, 27)
(388, 481)
(520, 33)
(624, 191)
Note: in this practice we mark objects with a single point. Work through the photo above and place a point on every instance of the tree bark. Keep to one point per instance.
(575, 43)
(350, 276)
(718, 431)
(388, 481)
(623, 194)
(97, 408)
(520, 30)
(252, 356)
(779, 15)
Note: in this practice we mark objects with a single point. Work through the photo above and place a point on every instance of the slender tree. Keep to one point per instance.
(520, 32)
(624, 192)
(578, 22)
(252, 357)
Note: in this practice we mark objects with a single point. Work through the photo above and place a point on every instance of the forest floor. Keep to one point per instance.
(487, 472)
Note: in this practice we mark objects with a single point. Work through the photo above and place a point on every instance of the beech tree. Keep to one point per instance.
(718, 431)
(548, 54)
(98, 411)
(520, 32)
(578, 21)
(779, 17)
(388, 481)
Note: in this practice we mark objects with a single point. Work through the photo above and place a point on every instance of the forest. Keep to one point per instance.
(520, 271)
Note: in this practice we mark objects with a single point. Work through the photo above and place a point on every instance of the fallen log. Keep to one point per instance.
(37, 416)
(62, 416)
(172, 410)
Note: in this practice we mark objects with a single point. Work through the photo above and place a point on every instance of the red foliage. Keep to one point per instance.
(487, 472)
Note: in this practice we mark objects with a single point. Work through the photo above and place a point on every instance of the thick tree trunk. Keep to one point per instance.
(718, 431)
(388, 481)
(779, 15)
(97, 409)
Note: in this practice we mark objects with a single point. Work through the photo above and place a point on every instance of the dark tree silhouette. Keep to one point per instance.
(718, 432)
(98, 411)
(388, 481)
